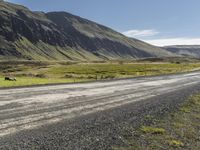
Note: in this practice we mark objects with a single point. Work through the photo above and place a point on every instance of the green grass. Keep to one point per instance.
(33, 73)
(179, 130)
(176, 143)
(125, 70)
(26, 81)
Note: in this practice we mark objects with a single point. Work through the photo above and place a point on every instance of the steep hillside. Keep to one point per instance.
(185, 50)
(62, 36)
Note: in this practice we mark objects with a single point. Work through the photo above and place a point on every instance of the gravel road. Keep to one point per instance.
(94, 115)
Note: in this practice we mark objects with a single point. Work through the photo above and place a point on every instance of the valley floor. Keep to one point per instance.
(39, 73)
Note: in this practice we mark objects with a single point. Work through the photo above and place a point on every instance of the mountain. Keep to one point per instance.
(185, 50)
(29, 35)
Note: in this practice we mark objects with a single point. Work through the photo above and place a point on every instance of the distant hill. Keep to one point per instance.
(62, 36)
(185, 50)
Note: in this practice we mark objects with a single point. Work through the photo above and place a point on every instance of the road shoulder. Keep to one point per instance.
(102, 130)
(177, 130)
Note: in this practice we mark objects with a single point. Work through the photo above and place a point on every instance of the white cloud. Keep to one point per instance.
(140, 33)
(174, 41)
(144, 34)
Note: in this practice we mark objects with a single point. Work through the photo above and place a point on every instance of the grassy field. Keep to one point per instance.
(34, 73)
(179, 130)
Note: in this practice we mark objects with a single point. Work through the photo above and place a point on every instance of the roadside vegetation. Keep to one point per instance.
(178, 130)
(34, 73)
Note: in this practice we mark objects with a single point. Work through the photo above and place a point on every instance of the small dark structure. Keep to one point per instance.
(10, 79)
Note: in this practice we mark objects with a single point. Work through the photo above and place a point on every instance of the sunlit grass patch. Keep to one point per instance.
(26, 81)
(30, 73)
(185, 109)
(176, 143)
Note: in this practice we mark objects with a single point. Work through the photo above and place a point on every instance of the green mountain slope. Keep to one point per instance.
(62, 36)
(192, 51)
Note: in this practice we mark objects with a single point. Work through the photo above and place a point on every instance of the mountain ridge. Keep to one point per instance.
(192, 51)
(25, 34)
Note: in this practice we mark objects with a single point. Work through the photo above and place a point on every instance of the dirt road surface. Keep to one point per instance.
(91, 115)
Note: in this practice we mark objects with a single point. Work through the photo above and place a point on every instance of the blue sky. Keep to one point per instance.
(159, 22)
